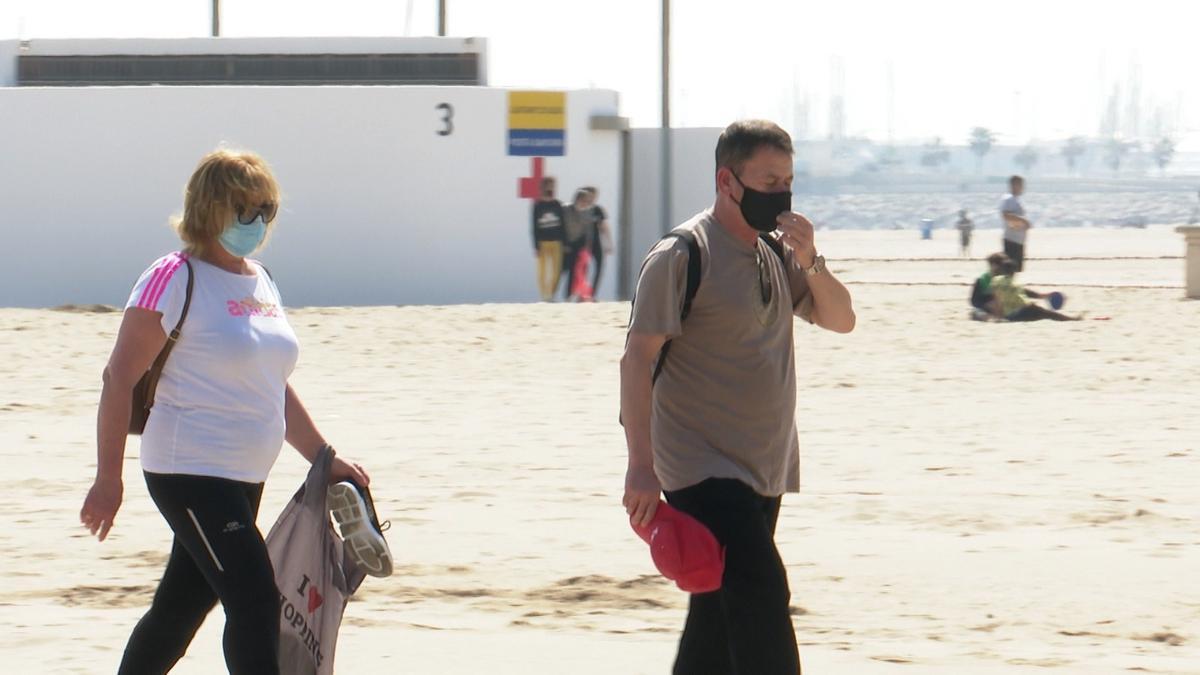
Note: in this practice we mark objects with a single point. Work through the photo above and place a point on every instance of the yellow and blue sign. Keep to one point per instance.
(537, 123)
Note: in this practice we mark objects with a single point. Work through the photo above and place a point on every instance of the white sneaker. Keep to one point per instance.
(354, 511)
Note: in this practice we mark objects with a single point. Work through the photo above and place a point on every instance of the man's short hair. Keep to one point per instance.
(997, 259)
(1013, 180)
(743, 138)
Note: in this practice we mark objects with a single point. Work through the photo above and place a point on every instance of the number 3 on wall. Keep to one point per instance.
(447, 119)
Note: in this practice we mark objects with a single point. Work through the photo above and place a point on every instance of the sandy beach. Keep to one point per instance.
(976, 498)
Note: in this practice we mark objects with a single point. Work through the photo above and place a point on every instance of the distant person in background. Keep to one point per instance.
(1010, 303)
(548, 220)
(1195, 217)
(1016, 225)
(577, 235)
(602, 239)
(965, 227)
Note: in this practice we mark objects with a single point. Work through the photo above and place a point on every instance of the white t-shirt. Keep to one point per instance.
(1010, 204)
(218, 410)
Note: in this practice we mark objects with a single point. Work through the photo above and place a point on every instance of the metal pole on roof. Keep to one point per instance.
(442, 18)
(665, 125)
(216, 18)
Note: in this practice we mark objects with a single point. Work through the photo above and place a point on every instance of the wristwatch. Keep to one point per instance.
(818, 266)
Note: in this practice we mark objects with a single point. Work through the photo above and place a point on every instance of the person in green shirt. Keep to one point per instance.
(1009, 301)
(981, 293)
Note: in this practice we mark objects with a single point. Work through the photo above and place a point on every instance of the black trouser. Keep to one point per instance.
(598, 258)
(218, 553)
(1032, 312)
(745, 628)
(1016, 252)
(570, 256)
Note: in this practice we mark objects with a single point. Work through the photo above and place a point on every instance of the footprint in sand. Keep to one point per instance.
(102, 597)
(892, 659)
(1172, 639)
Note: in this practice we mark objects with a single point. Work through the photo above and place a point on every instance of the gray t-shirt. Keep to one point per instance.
(1010, 204)
(578, 226)
(725, 404)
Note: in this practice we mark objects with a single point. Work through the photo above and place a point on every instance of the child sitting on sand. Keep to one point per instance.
(982, 298)
(1009, 302)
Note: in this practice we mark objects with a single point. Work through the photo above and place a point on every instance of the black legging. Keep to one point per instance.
(598, 257)
(745, 627)
(1032, 312)
(570, 254)
(218, 553)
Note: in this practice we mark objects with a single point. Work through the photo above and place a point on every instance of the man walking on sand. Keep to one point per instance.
(1016, 225)
(716, 430)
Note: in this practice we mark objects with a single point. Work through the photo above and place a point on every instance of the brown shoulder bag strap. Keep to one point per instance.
(161, 360)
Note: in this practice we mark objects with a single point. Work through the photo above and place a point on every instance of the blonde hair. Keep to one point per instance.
(224, 183)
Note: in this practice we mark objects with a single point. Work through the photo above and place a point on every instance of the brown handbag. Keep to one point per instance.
(143, 391)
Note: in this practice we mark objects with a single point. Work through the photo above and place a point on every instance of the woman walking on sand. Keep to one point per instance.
(223, 409)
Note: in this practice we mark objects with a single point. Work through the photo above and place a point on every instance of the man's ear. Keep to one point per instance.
(725, 181)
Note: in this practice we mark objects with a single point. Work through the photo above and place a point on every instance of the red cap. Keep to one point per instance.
(684, 550)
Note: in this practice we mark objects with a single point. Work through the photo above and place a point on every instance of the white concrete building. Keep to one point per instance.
(396, 191)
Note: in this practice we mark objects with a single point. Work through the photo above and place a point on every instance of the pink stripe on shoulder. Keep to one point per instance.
(158, 281)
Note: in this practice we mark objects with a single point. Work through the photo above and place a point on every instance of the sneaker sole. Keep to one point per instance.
(365, 544)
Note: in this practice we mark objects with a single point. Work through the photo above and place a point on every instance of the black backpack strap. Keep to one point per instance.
(693, 270)
(689, 291)
(691, 285)
(775, 245)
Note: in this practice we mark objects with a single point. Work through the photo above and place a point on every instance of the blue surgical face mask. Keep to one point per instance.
(242, 239)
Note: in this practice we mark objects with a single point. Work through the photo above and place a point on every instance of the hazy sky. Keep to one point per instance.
(1029, 69)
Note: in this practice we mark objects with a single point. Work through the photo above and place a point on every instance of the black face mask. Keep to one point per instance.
(761, 208)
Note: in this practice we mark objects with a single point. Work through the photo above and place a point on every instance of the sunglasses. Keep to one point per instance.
(267, 210)
(764, 279)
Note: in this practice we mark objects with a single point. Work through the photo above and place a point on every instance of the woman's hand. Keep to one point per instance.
(139, 340)
(343, 470)
(101, 506)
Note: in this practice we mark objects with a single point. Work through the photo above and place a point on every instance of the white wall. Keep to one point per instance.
(693, 168)
(8, 62)
(377, 208)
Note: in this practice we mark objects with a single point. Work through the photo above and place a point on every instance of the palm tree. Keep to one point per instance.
(1117, 149)
(1074, 149)
(1026, 158)
(1164, 151)
(981, 141)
